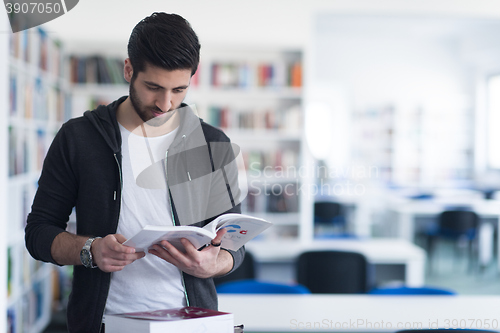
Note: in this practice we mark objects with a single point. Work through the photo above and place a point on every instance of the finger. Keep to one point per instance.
(177, 255)
(111, 242)
(124, 259)
(108, 264)
(121, 239)
(191, 250)
(220, 235)
(115, 244)
(119, 256)
(112, 268)
(161, 253)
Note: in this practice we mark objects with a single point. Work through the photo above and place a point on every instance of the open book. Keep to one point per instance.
(240, 229)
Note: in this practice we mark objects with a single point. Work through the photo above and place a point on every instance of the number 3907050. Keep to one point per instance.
(33, 8)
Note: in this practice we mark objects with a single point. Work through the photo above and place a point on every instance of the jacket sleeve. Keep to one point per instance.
(54, 199)
(224, 156)
(238, 255)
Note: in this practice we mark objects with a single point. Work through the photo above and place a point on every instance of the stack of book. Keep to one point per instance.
(186, 319)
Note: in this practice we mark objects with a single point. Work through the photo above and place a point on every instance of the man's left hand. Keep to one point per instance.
(208, 262)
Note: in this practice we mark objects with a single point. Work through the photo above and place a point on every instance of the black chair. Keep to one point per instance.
(334, 272)
(244, 272)
(329, 218)
(454, 225)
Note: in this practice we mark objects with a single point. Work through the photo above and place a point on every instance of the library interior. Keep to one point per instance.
(367, 136)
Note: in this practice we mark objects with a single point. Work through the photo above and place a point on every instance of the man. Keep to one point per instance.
(93, 165)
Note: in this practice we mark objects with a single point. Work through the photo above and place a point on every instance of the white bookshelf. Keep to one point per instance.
(254, 97)
(4, 107)
(416, 144)
(37, 104)
(84, 74)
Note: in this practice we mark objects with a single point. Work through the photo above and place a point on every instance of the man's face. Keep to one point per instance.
(156, 91)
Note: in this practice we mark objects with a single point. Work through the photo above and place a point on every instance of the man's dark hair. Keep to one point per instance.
(166, 41)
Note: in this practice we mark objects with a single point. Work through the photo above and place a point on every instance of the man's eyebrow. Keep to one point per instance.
(149, 83)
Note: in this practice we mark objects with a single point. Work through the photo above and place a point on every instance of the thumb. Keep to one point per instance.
(120, 238)
(219, 236)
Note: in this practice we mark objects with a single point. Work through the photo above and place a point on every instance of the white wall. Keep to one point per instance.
(282, 23)
(406, 61)
(386, 58)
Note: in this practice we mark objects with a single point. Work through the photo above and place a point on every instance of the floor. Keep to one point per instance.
(457, 274)
(449, 270)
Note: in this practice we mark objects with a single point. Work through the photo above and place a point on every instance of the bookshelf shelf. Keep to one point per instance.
(255, 97)
(416, 145)
(280, 219)
(15, 238)
(232, 93)
(46, 77)
(37, 104)
(98, 89)
(260, 135)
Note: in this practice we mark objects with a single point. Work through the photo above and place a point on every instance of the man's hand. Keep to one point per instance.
(110, 255)
(209, 262)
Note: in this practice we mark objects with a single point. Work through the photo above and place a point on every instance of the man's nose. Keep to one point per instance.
(164, 101)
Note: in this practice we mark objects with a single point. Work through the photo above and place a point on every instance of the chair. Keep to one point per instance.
(334, 272)
(259, 287)
(329, 218)
(411, 291)
(245, 271)
(455, 225)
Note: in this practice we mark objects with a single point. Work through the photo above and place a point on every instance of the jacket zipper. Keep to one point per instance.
(119, 208)
(173, 221)
(119, 172)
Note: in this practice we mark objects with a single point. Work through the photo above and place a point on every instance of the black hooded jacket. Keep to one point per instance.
(82, 169)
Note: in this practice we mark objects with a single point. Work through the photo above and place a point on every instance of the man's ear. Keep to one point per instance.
(128, 71)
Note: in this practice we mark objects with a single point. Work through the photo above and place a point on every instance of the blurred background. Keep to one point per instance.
(365, 126)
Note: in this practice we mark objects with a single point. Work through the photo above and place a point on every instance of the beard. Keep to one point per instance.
(146, 112)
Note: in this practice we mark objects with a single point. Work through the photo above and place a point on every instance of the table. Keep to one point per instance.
(407, 212)
(377, 251)
(360, 313)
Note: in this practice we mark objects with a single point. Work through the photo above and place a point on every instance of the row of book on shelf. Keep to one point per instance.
(272, 118)
(32, 309)
(27, 149)
(109, 70)
(273, 198)
(32, 98)
(28, 275)
(29, 305)
(279, 74)
(34, 47)
(96, 69)
(279, 163)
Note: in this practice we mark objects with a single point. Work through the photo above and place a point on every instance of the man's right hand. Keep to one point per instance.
(111, 256)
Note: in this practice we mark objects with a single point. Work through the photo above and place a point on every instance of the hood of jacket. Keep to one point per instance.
(104, 120)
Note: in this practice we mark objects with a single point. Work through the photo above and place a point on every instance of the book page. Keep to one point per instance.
(145, 239)
(240, 229)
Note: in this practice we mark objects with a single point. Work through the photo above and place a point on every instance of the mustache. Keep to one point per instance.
(156, 109)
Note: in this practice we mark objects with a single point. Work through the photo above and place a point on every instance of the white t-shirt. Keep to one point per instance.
(149, 283)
